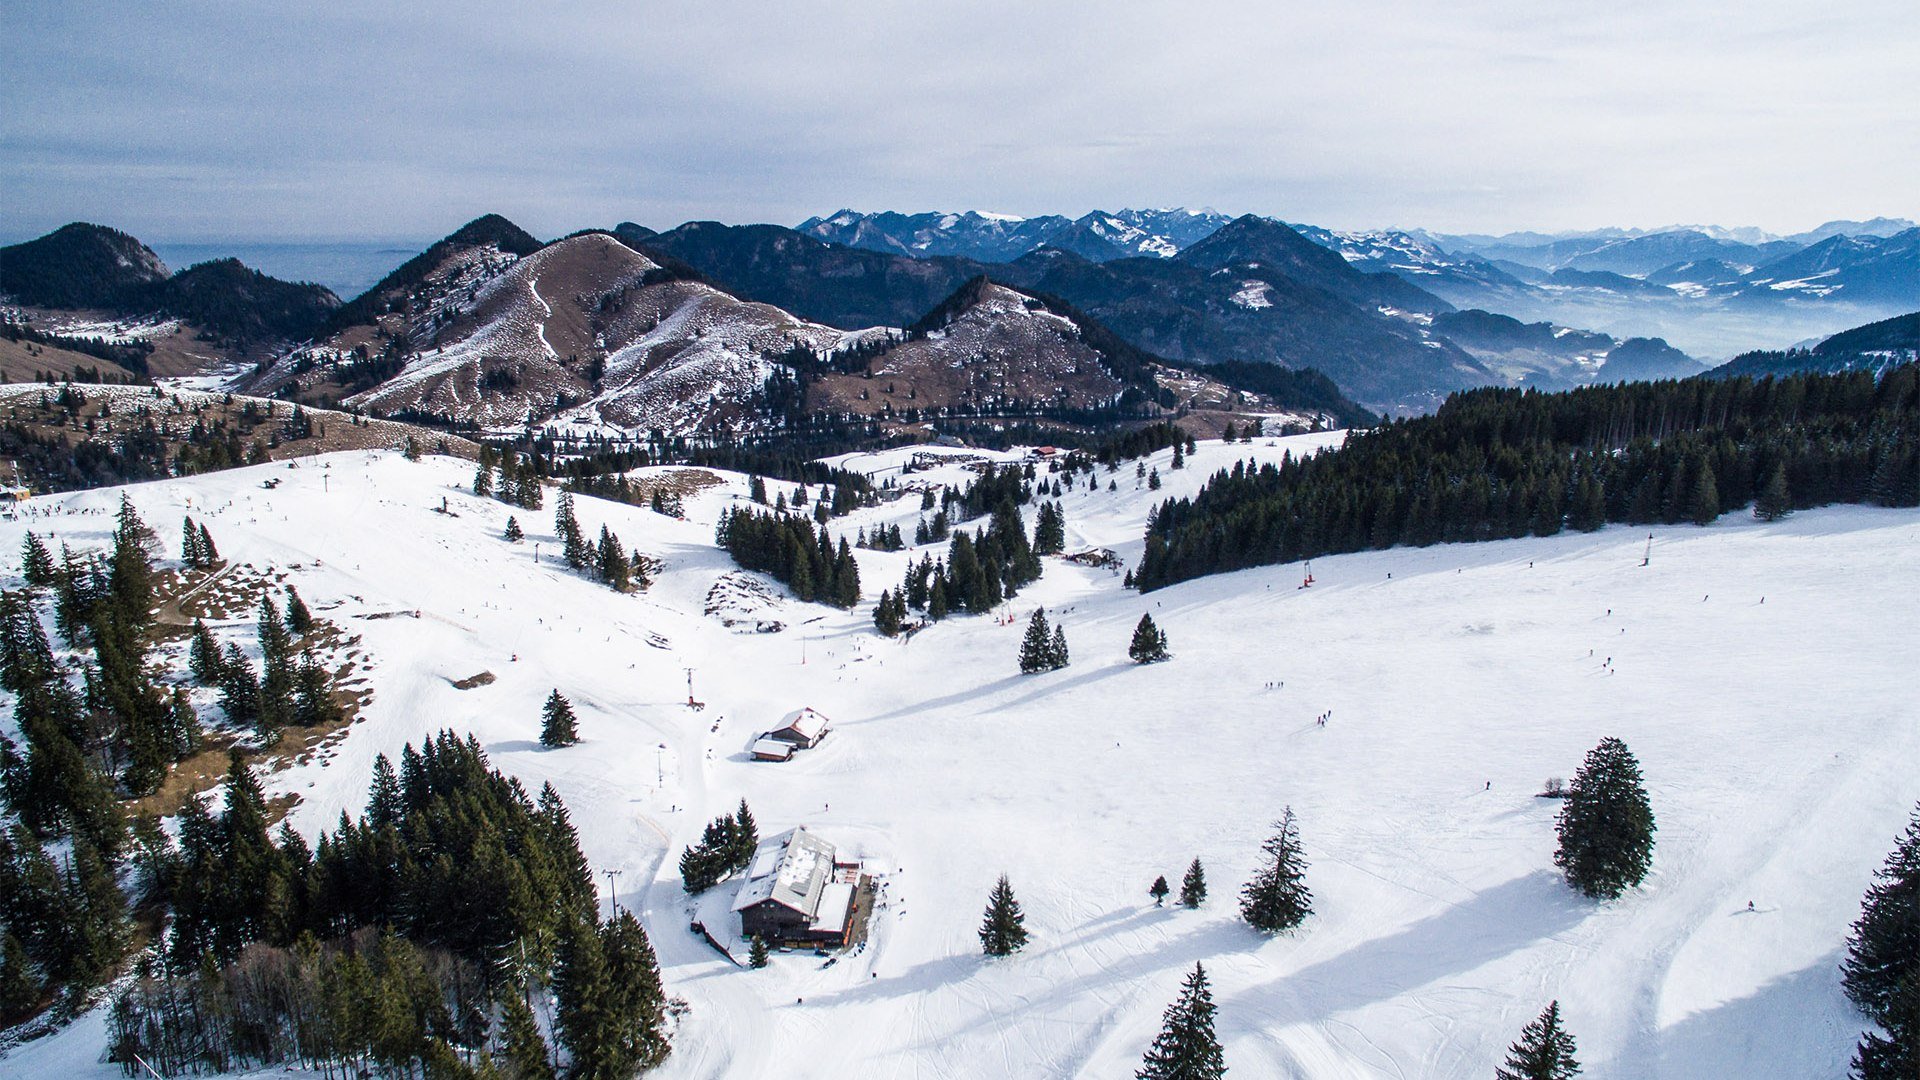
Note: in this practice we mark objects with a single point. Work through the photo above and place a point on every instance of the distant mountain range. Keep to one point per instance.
(1096, 237)
(709, 327)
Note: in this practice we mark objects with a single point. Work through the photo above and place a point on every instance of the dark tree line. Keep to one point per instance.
(409, 939)
(725, 847)
(790, 549)
(606, 560)
(1501, 463)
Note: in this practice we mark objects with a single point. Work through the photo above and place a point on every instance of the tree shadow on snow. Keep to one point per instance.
(1799, 1024)
(1494, 923)
(513, 746)
(1043, 686)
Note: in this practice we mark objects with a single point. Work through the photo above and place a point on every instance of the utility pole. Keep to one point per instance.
(613, 893)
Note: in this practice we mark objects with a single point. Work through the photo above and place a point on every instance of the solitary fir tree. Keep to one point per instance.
(1149, 644)
(559, 728)
(1186, 1048)
(1193, 887)
(1606, 824)
(1883, 951)
(1057, 648)
(1277, 899)
(1544, 1052)
(757, 952)
(1003, 932)
(1159, 890)
(1774, 501)
(514, 534)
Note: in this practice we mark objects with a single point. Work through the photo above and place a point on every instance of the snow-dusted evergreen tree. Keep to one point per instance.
(1036, 648)
(1186, 1048)
(208, 552)
(1544, 1052)
(757, 952)
(1193, 887)
(1883, 951)
(1606, 824)
(1003, 932)
(1277, 899)
(559, 727)
(1149, 644)
(1159, 890)
(514, 534)
(1894, 1055)
(36, 561)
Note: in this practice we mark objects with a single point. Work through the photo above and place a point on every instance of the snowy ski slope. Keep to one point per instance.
(1778, 740)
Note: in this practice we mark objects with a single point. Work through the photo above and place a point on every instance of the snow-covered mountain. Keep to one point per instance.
(1096, 236)
(1776, 740)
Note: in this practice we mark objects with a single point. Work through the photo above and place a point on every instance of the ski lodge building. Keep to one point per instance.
(801, 729)
(797, 892)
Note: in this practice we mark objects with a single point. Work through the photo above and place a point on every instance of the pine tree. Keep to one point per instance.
(1003, 932)
(299, 619)
(513, 534)
(1544, 1051)
(1883, 951)
(524, 1053)
(385, 803)
(1057, 648)
(1186, 1048)
(560, 727)
(1896, 1054)
(885, 619)
(1703, 500)
(208, 552)
(203, 655)
(1159, 890)
(1606, 824)
(1774, 501)
(19, 986)
(1149, 644)
(190, 552)
(483, 481)
(1049, 530)
(1153, 480)
(757, 952)
(37, 562)
(1036, 649)
(1277, 899)
(1193, 887)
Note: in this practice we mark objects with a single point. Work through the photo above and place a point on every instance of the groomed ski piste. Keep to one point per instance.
(1763, 675)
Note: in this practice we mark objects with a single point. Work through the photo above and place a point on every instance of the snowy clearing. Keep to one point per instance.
(1777, 739)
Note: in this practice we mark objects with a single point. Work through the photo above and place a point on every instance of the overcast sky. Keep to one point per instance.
(185, 120)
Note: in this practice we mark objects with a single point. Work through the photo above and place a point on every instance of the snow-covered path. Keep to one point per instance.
(1777, 738)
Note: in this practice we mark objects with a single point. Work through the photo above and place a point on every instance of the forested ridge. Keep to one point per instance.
(1498, 463)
